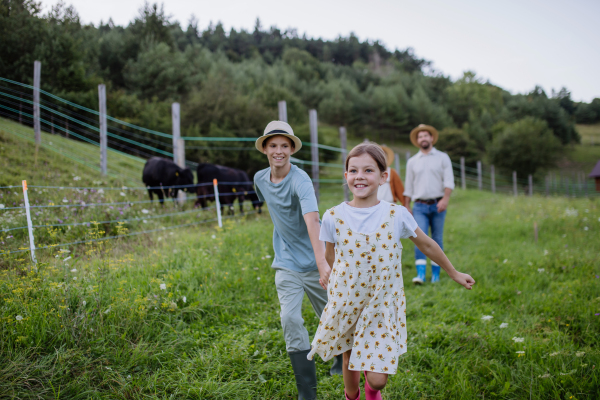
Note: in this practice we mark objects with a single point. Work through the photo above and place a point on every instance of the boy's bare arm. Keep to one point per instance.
(313, 226)
(432, 250)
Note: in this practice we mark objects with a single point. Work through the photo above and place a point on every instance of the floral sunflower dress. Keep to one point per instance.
(366, 308)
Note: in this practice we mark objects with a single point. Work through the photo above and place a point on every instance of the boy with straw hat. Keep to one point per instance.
(429, 183)
(299, 260)
(392, 190)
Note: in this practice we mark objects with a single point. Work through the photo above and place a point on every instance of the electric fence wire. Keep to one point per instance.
(2, 252)
(120, 203)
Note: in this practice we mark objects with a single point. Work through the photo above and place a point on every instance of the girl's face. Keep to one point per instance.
(364, 177)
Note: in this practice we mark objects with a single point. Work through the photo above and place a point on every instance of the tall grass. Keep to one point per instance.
(213, 331)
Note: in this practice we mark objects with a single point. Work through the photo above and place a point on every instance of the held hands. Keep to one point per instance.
(463, 279)
(324, 272)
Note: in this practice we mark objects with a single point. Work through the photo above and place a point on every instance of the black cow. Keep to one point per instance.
(162, 172)
(247, 192)
(233, 183)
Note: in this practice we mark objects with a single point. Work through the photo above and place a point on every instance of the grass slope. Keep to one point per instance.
(59, 160)
(213, 332)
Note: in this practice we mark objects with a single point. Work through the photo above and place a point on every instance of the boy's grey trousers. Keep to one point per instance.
(291, 287)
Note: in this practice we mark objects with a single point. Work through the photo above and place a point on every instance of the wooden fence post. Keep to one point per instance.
(463, 181)
(37, 72)
(103, 142)
(493, 172)
(479, 180)
(530, 184)
(282, 106)
(515, 183)
(314, 150)
(344, 146)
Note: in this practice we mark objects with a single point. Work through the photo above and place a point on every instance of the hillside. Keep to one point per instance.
(192, 312)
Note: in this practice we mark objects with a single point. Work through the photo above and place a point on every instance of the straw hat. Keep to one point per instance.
(422, 127)
(389, 155)
(278, 128)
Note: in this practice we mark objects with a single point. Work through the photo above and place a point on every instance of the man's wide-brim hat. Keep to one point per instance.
(422, 127)
(278, 128)
(389, 155)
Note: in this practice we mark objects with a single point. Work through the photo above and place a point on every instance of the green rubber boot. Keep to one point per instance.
(305, 372)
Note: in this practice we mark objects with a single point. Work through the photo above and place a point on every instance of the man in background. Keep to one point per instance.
(429, 183)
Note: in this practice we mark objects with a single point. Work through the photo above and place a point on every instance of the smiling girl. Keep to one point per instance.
(365, 316)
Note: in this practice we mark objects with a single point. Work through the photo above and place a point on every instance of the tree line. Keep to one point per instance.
(229, 83)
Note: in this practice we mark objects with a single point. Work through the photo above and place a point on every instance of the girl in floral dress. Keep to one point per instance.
(365, 316)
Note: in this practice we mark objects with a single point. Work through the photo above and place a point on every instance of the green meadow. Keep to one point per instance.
(192, 313)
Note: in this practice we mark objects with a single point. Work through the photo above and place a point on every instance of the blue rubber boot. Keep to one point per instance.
(421, 267)
(435, 273)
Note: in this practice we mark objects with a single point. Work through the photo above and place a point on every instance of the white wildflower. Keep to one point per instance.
(107, 310)
(530, 263)
(163, 286)
(74, 278)
(213, 236)
(1, 206)
(184, 299)
(108, 368)
(520, 352)
(256, 353)
(122, 194)
(19, 318)
(569, 373)
(571, 212)
(243, 269)
(580, 353)
(65, 201)
(267, 256)
(504, 325)
(262, 258)
(487, 317)
(518, 339)
(261, 332)
(100, 191)
(544, 376)
(128, 376)
(67, 259)
(77, 178)
(84, 303)
(144, 211)
(540, 270)
(258, 279)
(256, 269)
(554, 354)
(74, 270)
(545, 252)
(585, 228)
(505, 261)
(144, 221)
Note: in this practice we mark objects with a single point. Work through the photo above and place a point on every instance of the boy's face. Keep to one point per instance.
(278, 150)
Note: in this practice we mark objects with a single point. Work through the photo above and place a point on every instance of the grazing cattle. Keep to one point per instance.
(233, 183)
(247, 192)
(161, 172)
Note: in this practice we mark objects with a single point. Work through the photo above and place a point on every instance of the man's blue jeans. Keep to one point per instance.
(428, 216)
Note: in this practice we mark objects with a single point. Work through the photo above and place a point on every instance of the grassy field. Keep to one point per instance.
(193, 312)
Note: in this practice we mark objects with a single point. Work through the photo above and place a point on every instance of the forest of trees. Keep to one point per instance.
(228, 83)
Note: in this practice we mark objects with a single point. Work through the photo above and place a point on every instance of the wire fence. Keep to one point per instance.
(47, 235)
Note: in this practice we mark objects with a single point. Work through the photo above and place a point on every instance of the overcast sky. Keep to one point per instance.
(514, 44)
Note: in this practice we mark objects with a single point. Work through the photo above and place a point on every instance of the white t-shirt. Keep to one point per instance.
(368, 220)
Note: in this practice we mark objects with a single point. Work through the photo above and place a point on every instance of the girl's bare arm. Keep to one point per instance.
(432, 250)
(330, 253)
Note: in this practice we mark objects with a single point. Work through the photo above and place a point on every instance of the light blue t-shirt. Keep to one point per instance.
(288, 201)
